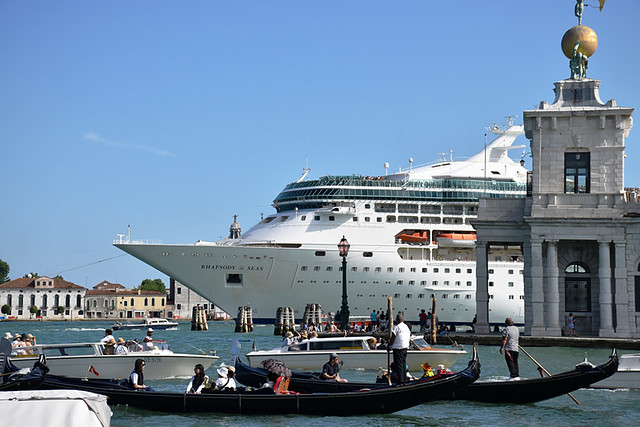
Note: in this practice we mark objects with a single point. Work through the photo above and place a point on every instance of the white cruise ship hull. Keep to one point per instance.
(275, 277)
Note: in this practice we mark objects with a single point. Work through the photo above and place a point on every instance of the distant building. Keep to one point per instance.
(184, 299)
(46, 294)
(114, 301)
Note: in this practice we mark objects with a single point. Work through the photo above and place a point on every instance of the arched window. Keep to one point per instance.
(113, 304)
(56, 301)
(146, 302)
(33, 300)
(44, 301)
(162, 302)
(577, 287)
(20, 301)
(95, 303)
(9, 300)
(67, 301)
(78, 301)
(132, 304)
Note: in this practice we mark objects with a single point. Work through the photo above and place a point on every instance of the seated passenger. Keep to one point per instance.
(136, 379)
(428, 370)
(225, 378)
(331, 369)
(198, 381)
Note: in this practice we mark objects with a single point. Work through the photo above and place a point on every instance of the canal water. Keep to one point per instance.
(598, 407)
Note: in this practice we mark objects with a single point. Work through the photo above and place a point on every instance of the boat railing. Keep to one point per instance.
(122, 239)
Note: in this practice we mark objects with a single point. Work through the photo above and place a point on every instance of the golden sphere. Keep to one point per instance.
(583, 34)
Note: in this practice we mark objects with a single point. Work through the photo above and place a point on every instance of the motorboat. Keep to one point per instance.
(53, 408)
(627, 375)
(379, 400)
(355, 352)
(154, 323)
(89, 360)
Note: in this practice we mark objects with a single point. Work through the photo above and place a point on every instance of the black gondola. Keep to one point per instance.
(264, 401)
(523, 391)
(537, 389)
(12, 379)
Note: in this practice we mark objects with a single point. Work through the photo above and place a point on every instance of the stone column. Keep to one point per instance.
(604, 274)
(623, 327)
(537, 290)
(482, 289)
(552, 293)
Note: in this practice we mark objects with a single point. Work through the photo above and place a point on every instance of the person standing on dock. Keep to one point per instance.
(399, 344)
(571, 325)
(510, 337)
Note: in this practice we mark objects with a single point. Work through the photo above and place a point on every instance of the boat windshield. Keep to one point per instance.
(419, 344)
(336, 345)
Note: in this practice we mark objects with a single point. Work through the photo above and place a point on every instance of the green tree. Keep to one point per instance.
(153, 285)
(33, 309)
(60, 309)
(6, 309)
(4, 271)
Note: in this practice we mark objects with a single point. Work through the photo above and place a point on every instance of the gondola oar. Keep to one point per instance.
(390, 319)
(544, 370)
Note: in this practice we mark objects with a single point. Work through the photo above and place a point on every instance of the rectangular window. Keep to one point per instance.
(577, 172)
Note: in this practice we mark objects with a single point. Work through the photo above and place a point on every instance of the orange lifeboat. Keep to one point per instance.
(417, 237)
(456, 240)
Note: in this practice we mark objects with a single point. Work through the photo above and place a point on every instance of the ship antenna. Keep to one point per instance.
(510, 119)
(410, 163)
(485, 165)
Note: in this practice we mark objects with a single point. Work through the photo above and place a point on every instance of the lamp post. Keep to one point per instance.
(343, 248)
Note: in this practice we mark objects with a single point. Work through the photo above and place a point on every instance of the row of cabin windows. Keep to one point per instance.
(401, 219)
(390, 269)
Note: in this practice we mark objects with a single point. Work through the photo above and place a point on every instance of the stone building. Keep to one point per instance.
(114, 301)
(184, 299)
(46, 294)
(579, 228)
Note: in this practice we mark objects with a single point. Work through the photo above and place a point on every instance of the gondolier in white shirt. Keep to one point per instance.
(399, 344)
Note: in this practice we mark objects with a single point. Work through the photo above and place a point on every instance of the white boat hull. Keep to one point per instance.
(627, 376)
(159, 365)
(356, 359)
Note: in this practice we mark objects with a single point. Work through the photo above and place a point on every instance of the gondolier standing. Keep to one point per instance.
(399, 344)
(509, 345)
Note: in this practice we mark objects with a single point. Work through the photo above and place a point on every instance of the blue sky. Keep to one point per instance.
(173, 116)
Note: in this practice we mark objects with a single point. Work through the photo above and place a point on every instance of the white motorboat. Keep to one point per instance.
(53, 408)
(355, 352)
(290, 258)
(89, 360)
(627, 376)
(154, 323)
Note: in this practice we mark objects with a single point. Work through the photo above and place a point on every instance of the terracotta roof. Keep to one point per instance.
(29, 282)
(108, 285)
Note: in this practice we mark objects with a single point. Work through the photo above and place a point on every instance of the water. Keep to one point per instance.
(598, 407)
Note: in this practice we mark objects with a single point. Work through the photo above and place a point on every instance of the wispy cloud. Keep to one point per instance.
(94, 137)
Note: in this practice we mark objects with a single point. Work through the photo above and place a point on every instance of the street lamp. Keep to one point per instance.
(343, 248)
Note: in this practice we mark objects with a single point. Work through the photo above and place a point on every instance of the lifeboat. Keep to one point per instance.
(417, 237)
(456, 240)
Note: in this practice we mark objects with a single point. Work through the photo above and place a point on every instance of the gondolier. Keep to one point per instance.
(399, 341)
(509, 345)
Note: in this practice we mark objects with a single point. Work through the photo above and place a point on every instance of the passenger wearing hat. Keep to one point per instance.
(121, 348)
(288, 339)
(148, 340)
(225, 378)
(331, 369)
(8, 336)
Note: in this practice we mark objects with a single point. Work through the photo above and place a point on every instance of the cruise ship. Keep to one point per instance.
(410, 234)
